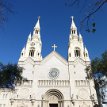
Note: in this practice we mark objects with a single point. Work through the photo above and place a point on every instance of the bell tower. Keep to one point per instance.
(76, 47)
(33, 46)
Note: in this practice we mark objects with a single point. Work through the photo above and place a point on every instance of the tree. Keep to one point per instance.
(90, 8)
(98, 71)
(5, 8)
(98, 65)
(10, 75)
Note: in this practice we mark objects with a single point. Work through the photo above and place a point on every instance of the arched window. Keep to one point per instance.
(69, 54)
(31, 53)
(86, 54)
(36, 31)
(73, 31)
(77, 52)
(38, 54)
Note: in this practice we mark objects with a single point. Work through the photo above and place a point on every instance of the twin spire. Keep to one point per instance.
(34, 44)
(73, 27)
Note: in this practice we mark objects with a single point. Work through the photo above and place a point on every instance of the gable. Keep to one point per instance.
(55, 54)
(53, 60)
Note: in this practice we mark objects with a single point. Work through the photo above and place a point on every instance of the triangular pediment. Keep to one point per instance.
(55, 54)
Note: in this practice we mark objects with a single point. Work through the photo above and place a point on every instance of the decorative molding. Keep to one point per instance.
(49, 83)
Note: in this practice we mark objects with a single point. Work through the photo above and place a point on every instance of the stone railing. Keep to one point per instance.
(25, 83)
(81, 83)
(48, 83)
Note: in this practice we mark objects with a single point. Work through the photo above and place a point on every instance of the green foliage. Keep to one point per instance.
(10, 75)
(98, 65)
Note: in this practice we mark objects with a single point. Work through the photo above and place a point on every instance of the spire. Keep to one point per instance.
(37, 26)
(73, 26)
(23, 49)
(23, 52)
(86, 49)
(80, 36)
(86, 55)
(29, 37)
(34, 45)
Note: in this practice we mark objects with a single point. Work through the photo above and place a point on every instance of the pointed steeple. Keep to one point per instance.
(86, 51)
(36, 31)
(23, 52)
(80, 37)
(23, 49)
(29, 37)
(76, 46)
(86, 55)
(73, 26)
(37, 26)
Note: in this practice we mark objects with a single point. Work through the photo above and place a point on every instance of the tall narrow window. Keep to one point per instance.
(77, 52)
(73, 31)
(86, 54)
(37, 31)
(69, 54)
(31, 53)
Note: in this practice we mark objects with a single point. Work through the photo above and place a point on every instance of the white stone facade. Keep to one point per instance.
(52, 81)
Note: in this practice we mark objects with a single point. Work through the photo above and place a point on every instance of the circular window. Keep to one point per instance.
(32, 44)
(54, 73)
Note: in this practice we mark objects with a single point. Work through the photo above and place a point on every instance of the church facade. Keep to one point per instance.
(52, 81)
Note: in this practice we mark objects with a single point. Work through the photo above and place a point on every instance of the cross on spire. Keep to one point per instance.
(54, 47)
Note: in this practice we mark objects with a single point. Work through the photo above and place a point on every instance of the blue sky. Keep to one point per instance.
(55, 28)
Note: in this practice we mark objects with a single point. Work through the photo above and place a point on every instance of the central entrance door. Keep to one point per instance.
(53, 98)
(53, 105)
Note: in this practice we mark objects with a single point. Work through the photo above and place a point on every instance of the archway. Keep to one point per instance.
(53, 98)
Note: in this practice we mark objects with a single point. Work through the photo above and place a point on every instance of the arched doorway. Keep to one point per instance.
(53, 98)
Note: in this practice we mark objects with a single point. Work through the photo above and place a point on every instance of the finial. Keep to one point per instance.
(72, 17)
